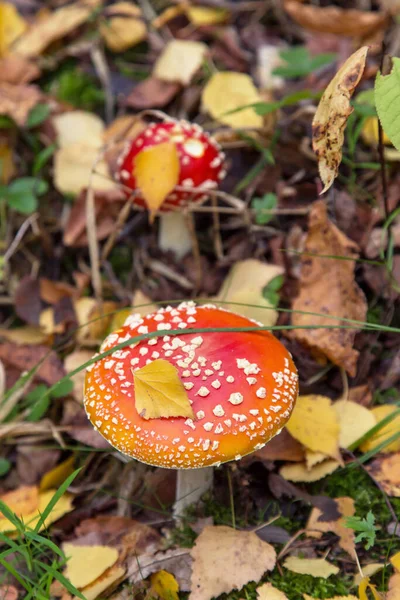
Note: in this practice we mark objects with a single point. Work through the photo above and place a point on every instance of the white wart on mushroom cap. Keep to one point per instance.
(242, 387)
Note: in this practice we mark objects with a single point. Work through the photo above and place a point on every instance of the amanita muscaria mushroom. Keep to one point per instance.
(241, 388)
(196, 161)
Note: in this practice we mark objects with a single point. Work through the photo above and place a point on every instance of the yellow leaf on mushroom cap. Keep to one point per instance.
(86, 563)
(157, 173)
(159, 391)
(332, 113)
(314, 424)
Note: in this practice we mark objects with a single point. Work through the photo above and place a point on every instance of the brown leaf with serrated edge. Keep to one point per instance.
(225, 559)
(331, 117)
(315, 527)
(332, 19)
(328, 288)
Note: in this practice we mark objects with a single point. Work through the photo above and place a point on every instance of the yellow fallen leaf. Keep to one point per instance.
(124, 27)
(180, 61)
(21, 501)
(159, 392)
(110, 578)
(315, 425)
(354, 421)
(227, 91)
(12, 25)
(157, 172)
(351, 597)
(395, 560)
(268, 592)
(225, 559)
(167, 15)
(380, 412)
(331, 117)
(314, 458)
(55, 477)
(370, 132)
(315, 527)
(86, 563)
(73, 166)
(366, 585)
(164, 585)
(300, 472)
(317, 567)
(28, 334)
(393, 588)
(386, 470)
(31, 518)
(93, 324)
(200, 16)
(368, 571)
(53, 27)
(244, 284)
(78, 126)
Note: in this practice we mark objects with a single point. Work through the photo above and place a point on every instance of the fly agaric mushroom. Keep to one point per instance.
(197, 161)
(240, 386)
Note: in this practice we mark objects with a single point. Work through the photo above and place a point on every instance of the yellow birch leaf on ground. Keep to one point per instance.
(354, 421)
(180, 61)
(366, 585)
(315, 425)
(380, 412)
(370, 132)
(31, 514)
(86, 563)
(314, 458)
(225, 559)
(55, 477)
(108, 579)
(21, 501)
(227, 91)
(156, 172)
(315, 527)
(268, 592)
(12, 25)
(345, 298)
(244, 284)
(159, 392)
(73, 166)
(331, 117)
(394, 588)
(164, 585)
(317, 567)
(386, 470)
(368, 571)
(28, 334)
(351, 597)
(55, 26)
(78, 126)
(205, 15)
(395, 560)
(300, 472)
(124, 27)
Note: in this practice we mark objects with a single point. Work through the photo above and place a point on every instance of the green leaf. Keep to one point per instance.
(38, 115)
(387, 92)
(267, 202)
(6, 122)
(42, 158)
(25, 185)
(25, 204)
(5, 466)
(270, 291)
(300, 63)
(63, 389)
(366, 529)
(39, 409)
(61, 490)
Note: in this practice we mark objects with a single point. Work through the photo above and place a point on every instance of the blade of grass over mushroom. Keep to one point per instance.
(332, 113)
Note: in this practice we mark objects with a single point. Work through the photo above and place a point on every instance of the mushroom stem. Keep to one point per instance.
(174, 234)
(191, 484)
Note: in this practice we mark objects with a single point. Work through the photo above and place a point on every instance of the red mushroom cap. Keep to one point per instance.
(242, 387)
(200, 160)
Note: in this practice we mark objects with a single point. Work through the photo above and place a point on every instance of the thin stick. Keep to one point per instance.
(219, 251)
(92, 242)
(121, 220)
(231, 499)
(195, 248)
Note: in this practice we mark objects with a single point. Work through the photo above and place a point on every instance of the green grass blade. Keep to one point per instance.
(61, 490)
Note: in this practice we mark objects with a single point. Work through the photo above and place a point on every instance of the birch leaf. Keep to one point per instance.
(159, 392)
(317, 567)
(387, 89)
(157, 173)
(87, 563)
(331, 117)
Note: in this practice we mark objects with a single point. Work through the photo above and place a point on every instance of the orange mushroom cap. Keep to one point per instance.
(242, 387)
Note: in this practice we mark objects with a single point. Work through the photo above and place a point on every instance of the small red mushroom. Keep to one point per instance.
(242, 387)
(201, 164)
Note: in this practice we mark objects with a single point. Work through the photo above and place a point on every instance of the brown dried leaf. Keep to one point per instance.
(176, 561)
(332, 113)
(23, 358)
(225, 559)
(53, 27)
(152, 93)
(315, 527)
(281, 447)
(339, 21)
(394, 587)
(17, 70)
(386, 470)
(345, 299)
(16, 101)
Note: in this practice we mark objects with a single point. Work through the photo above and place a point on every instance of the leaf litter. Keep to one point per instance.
(255, 93)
